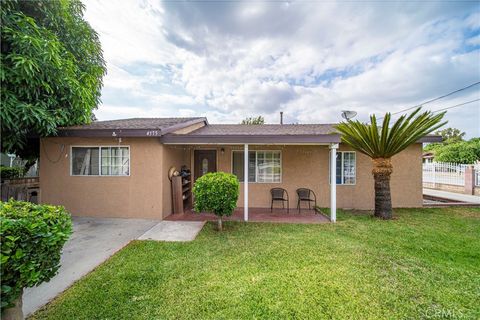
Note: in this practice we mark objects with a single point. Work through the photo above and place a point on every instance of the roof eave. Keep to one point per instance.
(430, 139)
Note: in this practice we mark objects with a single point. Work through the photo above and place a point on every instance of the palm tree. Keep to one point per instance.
(381, 144)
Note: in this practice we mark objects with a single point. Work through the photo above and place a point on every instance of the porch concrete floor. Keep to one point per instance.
(257, 215)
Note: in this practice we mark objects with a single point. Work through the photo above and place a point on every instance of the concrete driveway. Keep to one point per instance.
(92, 242)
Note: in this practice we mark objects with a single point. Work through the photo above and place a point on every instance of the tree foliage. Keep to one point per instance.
(51, 70)
(453, 148)
(466, 152)
(216, 192)
(386, 141)
(11, 172)
(451, 135)
(32, 239)
(254, 120)
(382, 143)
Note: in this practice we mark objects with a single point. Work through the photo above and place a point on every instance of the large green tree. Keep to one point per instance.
(382, 143)
(466, 152)
(451, 135)
(453, 148)
(51, 71)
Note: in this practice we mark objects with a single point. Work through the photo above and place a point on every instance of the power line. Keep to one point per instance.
(435, 99)
(457, 105)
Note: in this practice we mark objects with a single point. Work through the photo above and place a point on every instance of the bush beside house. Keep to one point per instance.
(32, 237)
(11, 172)
(216, 192)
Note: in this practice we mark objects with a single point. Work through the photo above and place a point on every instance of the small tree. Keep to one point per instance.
(32, 237)
(216, 192)
(381, 143)
(254, 120)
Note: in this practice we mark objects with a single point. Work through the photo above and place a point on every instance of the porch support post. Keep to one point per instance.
(245, 182)
(333, 182)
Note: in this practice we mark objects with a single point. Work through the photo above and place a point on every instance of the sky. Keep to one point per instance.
(227, 60)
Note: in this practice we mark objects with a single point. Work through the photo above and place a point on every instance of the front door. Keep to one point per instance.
(204, 161)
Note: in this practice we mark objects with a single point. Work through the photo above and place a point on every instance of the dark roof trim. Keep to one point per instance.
(249, 138)
(122, 133)
(264, 139)
(430, 139)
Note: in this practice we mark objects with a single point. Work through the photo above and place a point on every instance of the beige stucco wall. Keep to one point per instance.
(308, 166)
(143, 194)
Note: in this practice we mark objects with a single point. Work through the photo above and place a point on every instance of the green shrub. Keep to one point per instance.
(32, 237)
(218, 193)
(460, 152)
(11, 172)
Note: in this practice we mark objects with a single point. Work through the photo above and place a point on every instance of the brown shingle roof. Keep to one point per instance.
(133, 123)
(265, 129)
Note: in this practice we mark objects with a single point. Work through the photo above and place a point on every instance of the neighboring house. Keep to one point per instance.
(428, 157)
(120, 168)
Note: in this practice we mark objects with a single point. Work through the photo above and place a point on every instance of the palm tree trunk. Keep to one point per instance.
(382, 170)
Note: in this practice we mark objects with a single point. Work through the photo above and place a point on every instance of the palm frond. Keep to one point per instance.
(389, 140)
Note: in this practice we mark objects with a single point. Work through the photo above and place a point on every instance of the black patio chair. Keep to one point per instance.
(305, 195)
(279, 194)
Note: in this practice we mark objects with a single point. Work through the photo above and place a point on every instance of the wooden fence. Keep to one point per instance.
(26, 189)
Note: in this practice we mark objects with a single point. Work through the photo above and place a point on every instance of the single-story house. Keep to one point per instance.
(120, 168)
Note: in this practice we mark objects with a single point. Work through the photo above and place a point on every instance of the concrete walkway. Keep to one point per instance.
(174, 231)
(93, 241)
(452, 196)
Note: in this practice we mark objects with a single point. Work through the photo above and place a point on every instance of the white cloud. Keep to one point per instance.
(229, 60)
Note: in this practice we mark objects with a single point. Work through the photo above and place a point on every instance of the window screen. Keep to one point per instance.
(346, 167)
(85, 161)
(264, 166)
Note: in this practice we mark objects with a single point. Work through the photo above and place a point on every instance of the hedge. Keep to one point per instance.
(11, 172)
(32, 237)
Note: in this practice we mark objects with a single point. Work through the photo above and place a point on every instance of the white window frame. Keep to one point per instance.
(256, 165)
(100, 160)
(342, 171)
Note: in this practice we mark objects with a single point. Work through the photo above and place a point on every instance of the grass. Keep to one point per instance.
(424, 264)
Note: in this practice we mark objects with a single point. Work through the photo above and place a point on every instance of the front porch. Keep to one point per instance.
(257, 215)
(263, 158)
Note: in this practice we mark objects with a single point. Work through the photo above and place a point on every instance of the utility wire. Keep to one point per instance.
(435, 99)
(455, 106)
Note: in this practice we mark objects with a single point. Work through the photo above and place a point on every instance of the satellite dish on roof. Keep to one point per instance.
(347, 114)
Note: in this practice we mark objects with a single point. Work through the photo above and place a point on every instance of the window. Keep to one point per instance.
(238, 165)
(85, 161)
(264, 166)
(103, 161)
(346, 166)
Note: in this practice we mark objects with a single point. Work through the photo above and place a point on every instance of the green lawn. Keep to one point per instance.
(424, 264)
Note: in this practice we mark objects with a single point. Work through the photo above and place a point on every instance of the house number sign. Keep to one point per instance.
(153, 133)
